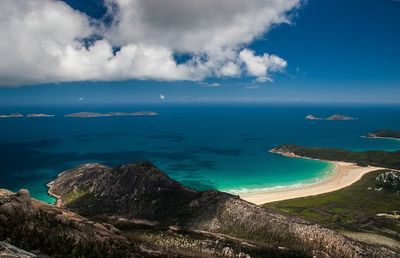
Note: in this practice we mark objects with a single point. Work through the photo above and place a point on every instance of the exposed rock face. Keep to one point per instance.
(10, 251)
(389, 180)
(33, 225)
(135, 190)
(141, 190)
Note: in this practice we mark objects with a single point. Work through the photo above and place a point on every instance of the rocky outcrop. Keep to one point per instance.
(389, 181)
(135, 190)
(32, 225)
(30, 228)
(10, 251)
(141, 190)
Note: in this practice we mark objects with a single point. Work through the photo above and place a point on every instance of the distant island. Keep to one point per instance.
(384, 133)
(39, 115)
(331, 118)
(19, 115)
(92, 114)
(13, 115)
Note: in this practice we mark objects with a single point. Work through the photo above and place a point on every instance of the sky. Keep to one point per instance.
(208, 51)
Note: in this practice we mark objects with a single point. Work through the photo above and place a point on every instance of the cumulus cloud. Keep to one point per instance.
(259, 66)
(48, 41)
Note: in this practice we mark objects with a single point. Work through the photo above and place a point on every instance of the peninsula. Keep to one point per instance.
(92, 114)
(386, 134)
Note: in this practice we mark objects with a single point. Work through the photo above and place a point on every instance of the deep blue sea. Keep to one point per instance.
(202, 146)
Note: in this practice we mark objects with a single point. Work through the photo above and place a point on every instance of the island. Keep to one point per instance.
(335, 117)
(93, 114)
(13, 115)
(39, 115)
(385, 133)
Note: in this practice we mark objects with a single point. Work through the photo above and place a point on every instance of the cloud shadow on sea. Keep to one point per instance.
(171, 137)
(22, 163)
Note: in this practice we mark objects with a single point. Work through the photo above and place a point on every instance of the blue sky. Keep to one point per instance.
(336, 51)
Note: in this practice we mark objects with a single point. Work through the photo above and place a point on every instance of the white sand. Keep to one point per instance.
(345, 174)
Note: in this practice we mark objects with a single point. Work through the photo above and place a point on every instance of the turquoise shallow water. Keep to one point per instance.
(203, 146)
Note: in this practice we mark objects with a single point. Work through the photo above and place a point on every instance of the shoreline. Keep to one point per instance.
(381, 137)
(343, 175)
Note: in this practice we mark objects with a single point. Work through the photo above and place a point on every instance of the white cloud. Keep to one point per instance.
(260, 66)
(42, 40)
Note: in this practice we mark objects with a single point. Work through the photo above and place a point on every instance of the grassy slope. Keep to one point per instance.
(353, 208)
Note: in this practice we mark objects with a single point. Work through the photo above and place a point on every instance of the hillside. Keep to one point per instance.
(369, 206)
(140, 190)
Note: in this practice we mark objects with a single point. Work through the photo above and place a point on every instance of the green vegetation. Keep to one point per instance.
(205, 244)
(385, 133)
(74, 195)
(384, 159)
(364, 206)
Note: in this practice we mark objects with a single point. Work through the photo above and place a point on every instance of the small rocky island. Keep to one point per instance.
(331, 118)
(13, 115)
(93, 114)
(39, 115)
(388, 134)
(19, 115)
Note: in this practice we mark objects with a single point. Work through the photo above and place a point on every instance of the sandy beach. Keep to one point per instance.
(344, 175)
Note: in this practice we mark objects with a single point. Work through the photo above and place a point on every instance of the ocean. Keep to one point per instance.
(203, 146)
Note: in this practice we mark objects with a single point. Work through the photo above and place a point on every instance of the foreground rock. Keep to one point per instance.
(140, 190)
(32, 225)
(10, 251)
(34, 229)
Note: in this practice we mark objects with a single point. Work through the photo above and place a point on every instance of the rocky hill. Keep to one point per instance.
(30, 228)
(136, 190)
(32, 225)
(121, 195)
